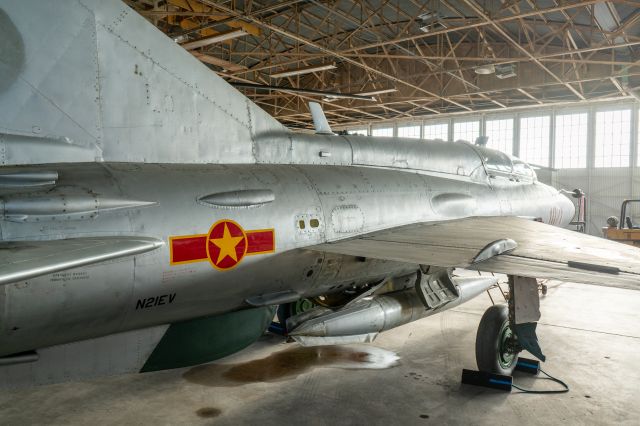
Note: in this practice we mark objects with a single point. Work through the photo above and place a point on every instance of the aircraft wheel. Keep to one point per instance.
(287, 310)
(494, 349)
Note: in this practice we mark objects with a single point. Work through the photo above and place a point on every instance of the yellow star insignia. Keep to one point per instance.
(227, 245)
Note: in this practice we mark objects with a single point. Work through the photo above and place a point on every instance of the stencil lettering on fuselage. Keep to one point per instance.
(152, 302)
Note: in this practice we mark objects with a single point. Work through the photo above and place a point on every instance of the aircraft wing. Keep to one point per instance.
(542, 251)
(21, 260)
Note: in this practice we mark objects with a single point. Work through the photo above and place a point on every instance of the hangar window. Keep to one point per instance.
(613, 138)
(466, 131)
(436, 131)
(534, 139)
(500, 133)
(362, 132)
(382, 131)
(409, 132)
(571, 140)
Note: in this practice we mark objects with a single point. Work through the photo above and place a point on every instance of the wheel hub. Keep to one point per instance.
(506, 354)
(301, 306)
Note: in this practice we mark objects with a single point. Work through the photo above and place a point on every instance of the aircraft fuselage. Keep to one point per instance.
(279, 209)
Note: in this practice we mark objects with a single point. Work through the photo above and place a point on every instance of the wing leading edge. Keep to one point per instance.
(543, 251)
(21, 260)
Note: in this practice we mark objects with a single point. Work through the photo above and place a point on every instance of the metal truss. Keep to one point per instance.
(416, 58)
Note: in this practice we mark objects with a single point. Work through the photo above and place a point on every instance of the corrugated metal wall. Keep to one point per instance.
(605, 188)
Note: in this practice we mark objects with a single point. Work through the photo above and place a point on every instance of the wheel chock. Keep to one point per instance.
(529, 366)
(505, 383)
(487, 380)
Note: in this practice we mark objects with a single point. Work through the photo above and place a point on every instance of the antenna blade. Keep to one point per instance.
(319, 120)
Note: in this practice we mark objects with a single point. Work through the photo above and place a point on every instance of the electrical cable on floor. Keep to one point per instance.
(549, 377)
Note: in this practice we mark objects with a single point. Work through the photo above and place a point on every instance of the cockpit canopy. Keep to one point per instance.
(460, 159)
(499, 163)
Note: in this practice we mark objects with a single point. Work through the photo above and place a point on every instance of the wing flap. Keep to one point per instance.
(543, 251)
(21, 260)
(400, 251)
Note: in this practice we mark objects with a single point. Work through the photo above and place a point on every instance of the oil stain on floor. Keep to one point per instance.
(208, 412)
(290, 363)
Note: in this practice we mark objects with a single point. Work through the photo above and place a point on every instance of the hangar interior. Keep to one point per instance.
(553, 82)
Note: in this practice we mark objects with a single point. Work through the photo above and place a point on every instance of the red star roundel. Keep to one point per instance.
(226, 244)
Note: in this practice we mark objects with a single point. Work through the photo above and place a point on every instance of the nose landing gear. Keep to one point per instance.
(505, 331)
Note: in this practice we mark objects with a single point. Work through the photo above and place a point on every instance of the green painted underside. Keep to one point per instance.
(206, 339)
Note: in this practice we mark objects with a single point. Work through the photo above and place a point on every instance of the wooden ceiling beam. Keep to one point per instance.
(480, 23)
(330, 52)
(480, 12)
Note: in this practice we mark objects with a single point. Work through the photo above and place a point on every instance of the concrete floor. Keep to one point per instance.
(590, 334)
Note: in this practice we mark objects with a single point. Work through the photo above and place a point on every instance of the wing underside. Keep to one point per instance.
(543, 251)
(21, 260)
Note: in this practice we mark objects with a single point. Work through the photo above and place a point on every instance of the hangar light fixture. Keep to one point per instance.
(505, 71)
(431, 21)
(333, 95)
(213, 60)
(305, 70)
(378, 92)
(485, 69)
(206, 41)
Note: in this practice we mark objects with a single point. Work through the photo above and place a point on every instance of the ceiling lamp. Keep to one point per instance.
(485, 69)
(505, 71)
(431, 21)
(305, 70)
(213, 60)
(227, 35)
(378, 92)
(333, 95)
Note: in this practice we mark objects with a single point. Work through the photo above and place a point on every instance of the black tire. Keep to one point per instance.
(490, 354)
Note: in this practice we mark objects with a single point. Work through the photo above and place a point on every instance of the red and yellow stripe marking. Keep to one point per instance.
(224, 246)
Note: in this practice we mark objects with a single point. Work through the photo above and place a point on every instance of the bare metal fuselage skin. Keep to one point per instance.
(351, 191)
